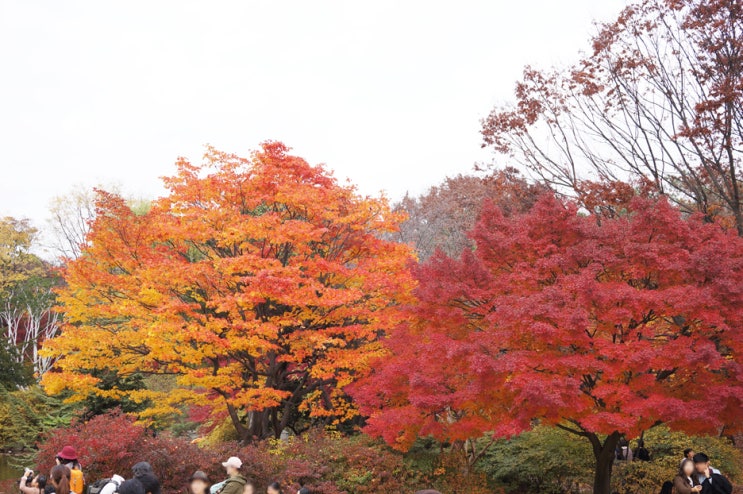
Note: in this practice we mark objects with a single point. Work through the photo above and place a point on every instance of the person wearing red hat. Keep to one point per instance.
(68, 458)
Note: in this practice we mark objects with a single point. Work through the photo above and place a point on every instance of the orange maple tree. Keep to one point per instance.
(603, 326)
(261, 285)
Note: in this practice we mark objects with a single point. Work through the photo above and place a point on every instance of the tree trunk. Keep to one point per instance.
(604, 454)
(242, 432)
(259, 424)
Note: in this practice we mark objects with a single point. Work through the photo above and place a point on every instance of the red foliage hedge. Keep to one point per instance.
(112, 444)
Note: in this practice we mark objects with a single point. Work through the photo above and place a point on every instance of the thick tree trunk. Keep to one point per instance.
(604, 454)
(259, 424)
(242, 432)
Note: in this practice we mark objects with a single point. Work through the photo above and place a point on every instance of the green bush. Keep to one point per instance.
(549, 460)
(433, 465)
(110, 379)
(25, 415)
(12, 372)
(544, 460)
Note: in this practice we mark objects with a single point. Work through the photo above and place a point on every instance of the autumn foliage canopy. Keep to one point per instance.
(604, 326)
(260, 285)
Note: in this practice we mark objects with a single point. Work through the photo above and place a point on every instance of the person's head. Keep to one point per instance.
(689, 453)
(667, 488)
(701, 462)
(233, 466)
(67, 455)
(687, 468)
(150, 482)
(249, 488)
(303, 490)
(40, 481)
(132, 486)
(141, 468)
(199, 483)
(60, 476)
(274, 488)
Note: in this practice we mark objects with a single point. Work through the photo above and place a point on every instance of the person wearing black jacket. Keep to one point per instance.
(143, 472)
(642, 452)
(713, 482)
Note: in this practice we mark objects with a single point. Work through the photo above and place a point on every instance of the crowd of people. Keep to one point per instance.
(66, 477)
(695, 476)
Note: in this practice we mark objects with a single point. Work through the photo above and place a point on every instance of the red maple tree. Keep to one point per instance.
(604, 328)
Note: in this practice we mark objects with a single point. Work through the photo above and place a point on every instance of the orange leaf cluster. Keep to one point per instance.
(259, 283)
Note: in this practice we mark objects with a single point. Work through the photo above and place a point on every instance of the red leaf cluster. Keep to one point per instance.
(611, 325)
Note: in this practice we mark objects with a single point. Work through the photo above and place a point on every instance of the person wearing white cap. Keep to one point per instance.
(112, 487)
(235, 482)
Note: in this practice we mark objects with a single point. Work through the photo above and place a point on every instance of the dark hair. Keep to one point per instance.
(61, 479)
(150, 482)
(62, 461)
(141, 468)
(687, 451)
(41, 481)
(275, 486)
(701, 458)
(304, 490)
(132, 486)
(667, 487)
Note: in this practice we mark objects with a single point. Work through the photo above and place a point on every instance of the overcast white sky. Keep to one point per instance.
(387, 93)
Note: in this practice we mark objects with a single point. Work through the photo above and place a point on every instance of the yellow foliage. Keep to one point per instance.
(17, 263)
